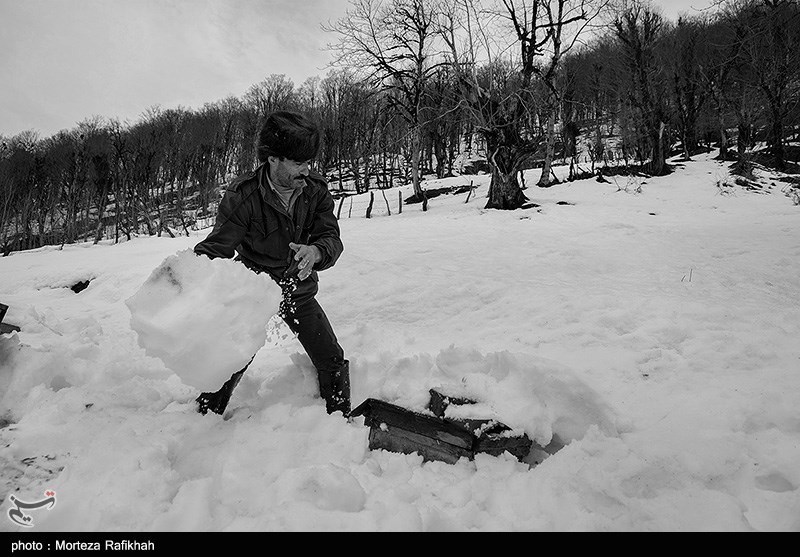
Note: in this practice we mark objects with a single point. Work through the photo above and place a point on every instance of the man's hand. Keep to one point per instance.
(307, 256)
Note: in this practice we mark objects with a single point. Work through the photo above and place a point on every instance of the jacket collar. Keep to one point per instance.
(269, 196)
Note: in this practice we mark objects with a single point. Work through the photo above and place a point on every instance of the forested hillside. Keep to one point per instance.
(425, 87)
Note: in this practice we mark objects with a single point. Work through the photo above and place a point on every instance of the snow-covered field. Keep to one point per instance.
(656, 333)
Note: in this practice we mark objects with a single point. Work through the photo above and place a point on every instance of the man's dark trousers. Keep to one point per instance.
(308, 321)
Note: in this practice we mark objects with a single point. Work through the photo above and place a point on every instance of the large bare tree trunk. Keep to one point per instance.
(723, 138)
(544, 179)
(416, 143)
(658, 162)
(776, 136)
(505, 191)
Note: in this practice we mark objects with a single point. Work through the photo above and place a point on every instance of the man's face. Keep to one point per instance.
(287, 173)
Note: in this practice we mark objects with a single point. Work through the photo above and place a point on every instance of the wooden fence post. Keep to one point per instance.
(388, 210)
(371, 201)
(400, 203)
(471, 189)
(339, 210)
(350, 212)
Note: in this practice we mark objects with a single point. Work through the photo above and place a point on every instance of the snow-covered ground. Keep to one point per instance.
(656, 333)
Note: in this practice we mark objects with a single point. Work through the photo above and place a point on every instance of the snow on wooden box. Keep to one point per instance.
(435, 437)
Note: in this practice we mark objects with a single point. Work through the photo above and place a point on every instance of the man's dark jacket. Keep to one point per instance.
(253, 222)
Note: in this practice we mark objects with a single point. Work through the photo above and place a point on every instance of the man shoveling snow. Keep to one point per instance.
(277, 220)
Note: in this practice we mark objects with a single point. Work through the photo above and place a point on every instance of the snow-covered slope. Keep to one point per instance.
(652, 327)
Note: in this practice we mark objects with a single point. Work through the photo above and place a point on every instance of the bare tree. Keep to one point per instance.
(8, 195)
(17, 177)
(393, 46)
(769, 31)
(684, 49)
(121, 179)
(443, 116)
(350, 127)
(497, 91)
(276, 92)
(639, 29)
(563, 23)
(716, 70)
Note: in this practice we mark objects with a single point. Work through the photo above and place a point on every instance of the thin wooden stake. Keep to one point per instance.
(371, 201)
(388, 210)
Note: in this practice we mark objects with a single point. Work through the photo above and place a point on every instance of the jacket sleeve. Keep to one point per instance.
(229, 228)
(325, 233)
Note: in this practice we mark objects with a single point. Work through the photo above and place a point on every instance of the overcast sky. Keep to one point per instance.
(62, 61)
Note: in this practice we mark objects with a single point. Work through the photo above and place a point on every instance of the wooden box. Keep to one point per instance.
(435, 437)
(6, 327)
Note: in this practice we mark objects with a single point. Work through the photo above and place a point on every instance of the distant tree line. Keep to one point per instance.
(418, 83)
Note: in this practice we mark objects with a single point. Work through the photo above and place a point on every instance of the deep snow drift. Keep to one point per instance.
(651, 326)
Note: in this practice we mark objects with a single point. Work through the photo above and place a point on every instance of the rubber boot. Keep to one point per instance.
(217, 402)
(334, 387)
